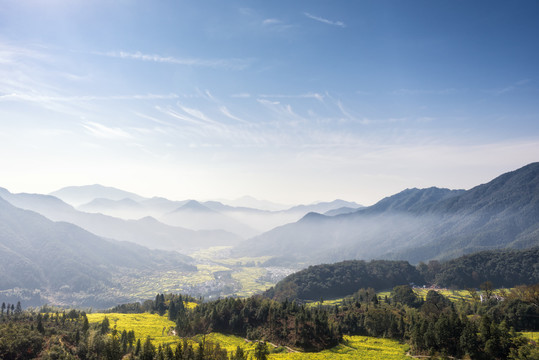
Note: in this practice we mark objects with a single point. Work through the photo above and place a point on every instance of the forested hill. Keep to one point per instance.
(503, 268)
(416, 225)
(344, 278)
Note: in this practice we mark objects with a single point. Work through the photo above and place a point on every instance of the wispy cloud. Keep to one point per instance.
(316, 96)
(33, 97)
(425, 91)
(510, 88)
(271, 22)
(224, 110)
(325, 21)
(234, 64)
(241, 95)
(105, 132)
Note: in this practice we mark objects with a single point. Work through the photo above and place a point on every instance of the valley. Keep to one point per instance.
(225, 289)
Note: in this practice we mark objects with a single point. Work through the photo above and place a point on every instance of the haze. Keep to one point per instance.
(290, 102)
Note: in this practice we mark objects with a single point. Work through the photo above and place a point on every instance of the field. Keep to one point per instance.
(159, 328)
(532, 335)
(354, 347)
(217, 275)
(453, 295)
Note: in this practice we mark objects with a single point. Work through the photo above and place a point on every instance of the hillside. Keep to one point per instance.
(503, 268)
(416, 225)
(344, 278)
(67, 263)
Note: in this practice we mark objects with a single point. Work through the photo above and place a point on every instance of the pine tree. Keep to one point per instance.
(18, 309)
(261, 351)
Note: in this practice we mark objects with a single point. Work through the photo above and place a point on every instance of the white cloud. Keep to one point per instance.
(235, 64)
(316, 96)
(325, 21)
(227, 113)
(105, 132)
(271, 22)
(241, 95)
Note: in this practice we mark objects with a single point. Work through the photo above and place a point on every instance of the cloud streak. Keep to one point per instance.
(233, 64)
(324, 21)
(105, 132)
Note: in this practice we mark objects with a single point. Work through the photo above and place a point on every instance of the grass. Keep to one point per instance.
(158, 328)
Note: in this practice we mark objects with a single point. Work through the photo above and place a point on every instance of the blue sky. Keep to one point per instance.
(287, 101)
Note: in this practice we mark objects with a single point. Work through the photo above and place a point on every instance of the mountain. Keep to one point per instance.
(77, 195)
(251, 202)
(340, 211)
(125, 208)
(416, 225)
(146, 231)
(66, 262)
(194, 215)
(323, 207)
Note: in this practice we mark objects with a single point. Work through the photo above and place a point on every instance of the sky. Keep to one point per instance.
(288, 101)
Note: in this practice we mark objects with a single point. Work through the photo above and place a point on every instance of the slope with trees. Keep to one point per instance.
(416, 225)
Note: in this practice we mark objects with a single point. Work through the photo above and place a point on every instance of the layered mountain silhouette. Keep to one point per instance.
(244, 221)
(146, 231)
(416, 225)
(77, 195)
(58, 257)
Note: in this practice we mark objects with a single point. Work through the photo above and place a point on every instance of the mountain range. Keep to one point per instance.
(415, 225)
(65, 262)
(65, 255)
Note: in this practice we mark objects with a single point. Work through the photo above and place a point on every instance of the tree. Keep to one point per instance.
(105, 325)
(148, 350)
(18, 309)
(406, 295)
(40, 327)
(261, 351)
(172, 311)
(239, 354)
(487, 288)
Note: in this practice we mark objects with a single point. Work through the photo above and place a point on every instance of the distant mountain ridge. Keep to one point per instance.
(416, 224)
(146, 231)
(240, 218)
(66, 262)
(77, 195)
